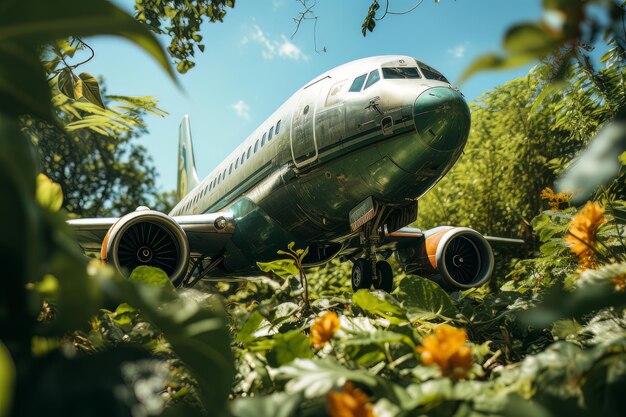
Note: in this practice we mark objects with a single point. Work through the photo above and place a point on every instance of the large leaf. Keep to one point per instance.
(66, 83)
(7, 376)
(26, 25)
(380, 304)
(48, 194)
(23, 85)
(422, 295)
(198, 335)
(529, 38)
(151, 275)
(275, 405)
(599, 163)
(316, 377)
(289, 346)
(284, 268)
(91, 89)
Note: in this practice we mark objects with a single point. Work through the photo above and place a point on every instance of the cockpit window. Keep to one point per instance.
(399, 73)
(358, 83)
(372, 79)
(431, 73)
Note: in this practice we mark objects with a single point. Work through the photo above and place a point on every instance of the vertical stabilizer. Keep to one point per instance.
(187, 175)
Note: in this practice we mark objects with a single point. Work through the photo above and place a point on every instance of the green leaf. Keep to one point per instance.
(315, 378)
(197, 334)
(418, 294)
(48, 194)
(381, 304)
(599, 163)
(378, 337)
(529, 38)
(25, 26)
(91, 89)
(289, 346)
(495, 62)
(152, 276)
(284, 268)
(66, 82)
(249, 327)
(563, 329)
(276, 405)
(7, 379)
(23, 85)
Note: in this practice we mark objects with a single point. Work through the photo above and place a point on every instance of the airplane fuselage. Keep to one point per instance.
(383, 127)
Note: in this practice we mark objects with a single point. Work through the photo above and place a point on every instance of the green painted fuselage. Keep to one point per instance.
(393, 139)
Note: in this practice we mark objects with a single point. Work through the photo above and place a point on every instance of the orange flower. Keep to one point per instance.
(554, 200)
(351, 402)
(445, 348)
(323, 329)
(582, 233)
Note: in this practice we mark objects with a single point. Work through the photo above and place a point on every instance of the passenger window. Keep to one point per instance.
(224, 174)
(256, 145)
(249, 150)
(357, 84)
(230, 170)
(263, 140)
(236, 163)
(372, 79)
(243, 157)
(277, 127)
(269, 137)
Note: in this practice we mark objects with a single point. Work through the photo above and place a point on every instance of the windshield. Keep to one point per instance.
(431, 73)
(401, 72)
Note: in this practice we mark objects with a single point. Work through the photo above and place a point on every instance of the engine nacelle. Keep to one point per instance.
(147, 237)
(457, 258)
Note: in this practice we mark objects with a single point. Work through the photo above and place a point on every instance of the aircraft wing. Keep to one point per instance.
(148, 237)
(206, 233)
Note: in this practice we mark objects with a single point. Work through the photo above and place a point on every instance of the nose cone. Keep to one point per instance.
(442, 118)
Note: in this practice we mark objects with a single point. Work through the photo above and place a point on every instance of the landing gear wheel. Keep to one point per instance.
(383, 280)
(361, 274)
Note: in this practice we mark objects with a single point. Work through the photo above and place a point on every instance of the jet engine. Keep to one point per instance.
(457, 258)
(147, 237)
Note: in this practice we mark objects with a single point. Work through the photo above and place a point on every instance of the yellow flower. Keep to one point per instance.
(446, 349)
(323, 329)
(351, 402)
(582, 233)
(554, 200)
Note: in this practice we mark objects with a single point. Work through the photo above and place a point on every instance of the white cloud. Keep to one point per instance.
(242, 109)
(291, 51)
(271, 48)
(278, 4)
(458, 51)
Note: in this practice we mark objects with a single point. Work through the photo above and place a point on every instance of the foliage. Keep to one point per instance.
(181, 21)
(48, 287)
(552, 341)
(101, 173)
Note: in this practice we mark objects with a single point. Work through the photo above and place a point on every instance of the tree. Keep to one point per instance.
(100, 174)
(181, 21)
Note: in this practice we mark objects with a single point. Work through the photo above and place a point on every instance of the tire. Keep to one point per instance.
(384, 276)
(361, 274)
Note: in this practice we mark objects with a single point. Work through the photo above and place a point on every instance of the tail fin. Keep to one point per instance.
(187, 175)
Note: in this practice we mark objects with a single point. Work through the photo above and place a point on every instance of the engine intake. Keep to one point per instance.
(147, 237)
(457, 258)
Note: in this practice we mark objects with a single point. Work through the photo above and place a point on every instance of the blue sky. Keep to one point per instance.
(251, 65)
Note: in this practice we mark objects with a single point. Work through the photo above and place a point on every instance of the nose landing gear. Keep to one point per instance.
(363, 276)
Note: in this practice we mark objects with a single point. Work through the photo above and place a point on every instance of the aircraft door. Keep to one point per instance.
(303, 144)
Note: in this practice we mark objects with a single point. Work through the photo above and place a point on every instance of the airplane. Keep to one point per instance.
(338, 168)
